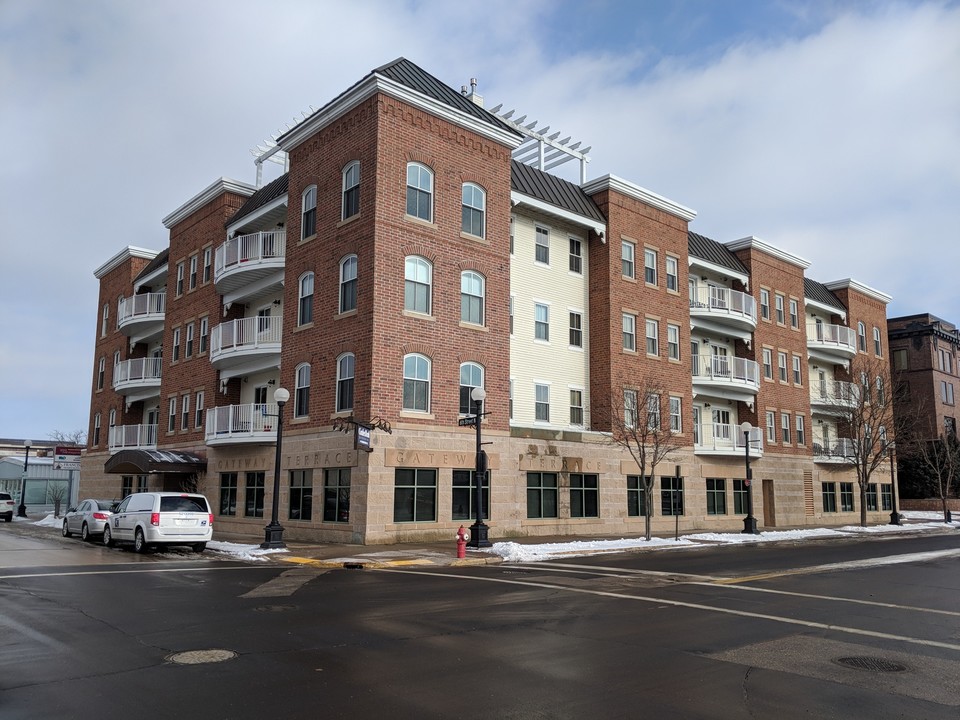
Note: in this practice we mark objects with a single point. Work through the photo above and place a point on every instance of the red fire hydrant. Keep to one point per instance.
(461, 542)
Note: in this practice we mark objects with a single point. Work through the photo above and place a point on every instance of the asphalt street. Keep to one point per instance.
(850, 628)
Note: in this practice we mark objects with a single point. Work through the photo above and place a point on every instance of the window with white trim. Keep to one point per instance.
(541, 402)
(420, 191)
(345, 375)
(628, 252)
(198, 409)
(576, 256)
(179, 279)
(172, 415)
(101, 370)
(801, 430)
(673, 342)
(176, 345)
(308, 213)
(768, 363)
(576, 329)
(471, 376)
(96, 429)
(351, 190)
(541, 322)
(207, 264)
(782, 366)
(861, 337)
(630, 408)
(629, 327)
(301, 393)
(797, 373)
(542, 245)
(416, 383)
(778, 299)
(418, 284)
(193, 272)
(204, 334)
(473, 209)
(673, 279)
(471, 297)
(653, 337)
(348, 283)
(764, 304)
(104, 318)
(188, 348)
(771, 426)
(650, 266)
(576, 406)
(653, 411)
(185, 411)
(676, 417)
(877, 344)
(305, 302)
(785, 427)
(794, 314)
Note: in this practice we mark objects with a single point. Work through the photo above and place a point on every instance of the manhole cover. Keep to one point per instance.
(198, 657)
(873, 664)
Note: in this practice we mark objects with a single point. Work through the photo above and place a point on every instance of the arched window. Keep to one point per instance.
(416, 383)
(862, 337)
(471, 297)
(418, 282)
(305, 306)
(420, 191)
(473, 210)
(345, 374)
(351, 190)
(301, 399)
(471, 376)
(348, 283)
(308, 223)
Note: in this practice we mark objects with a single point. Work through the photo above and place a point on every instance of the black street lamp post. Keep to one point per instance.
(273, 533)
(22, 509)
(478, 531)
(894, 515)
(749, 522)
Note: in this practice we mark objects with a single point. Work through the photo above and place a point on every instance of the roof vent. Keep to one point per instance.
(472, 95)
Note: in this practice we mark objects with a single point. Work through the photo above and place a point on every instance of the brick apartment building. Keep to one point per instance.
(415, 250)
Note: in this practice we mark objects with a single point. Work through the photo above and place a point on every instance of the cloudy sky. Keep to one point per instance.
(830, 128)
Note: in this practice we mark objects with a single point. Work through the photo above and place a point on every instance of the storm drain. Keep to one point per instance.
(199, 657)
(871, 664)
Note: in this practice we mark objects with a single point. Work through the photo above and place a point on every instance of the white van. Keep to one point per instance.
(148, 519)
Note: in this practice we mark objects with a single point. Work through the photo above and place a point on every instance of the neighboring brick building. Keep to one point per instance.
(412, 253)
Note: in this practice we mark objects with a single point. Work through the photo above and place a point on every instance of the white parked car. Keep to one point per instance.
(150, 519)
(6, 506)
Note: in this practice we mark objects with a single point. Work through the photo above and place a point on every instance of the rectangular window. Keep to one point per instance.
(172, 415)
(179, 279)
(512, 223)
(673, 342)
(141, 483)
(716, 496)
(673, 280)
(778, 299)
(846, 497)
(198, 410)
(671, 496)
(653, 337)
(541, 495)
(946, 392)
(336, 495)
(650, 266)
(464, 494)
(576, 256)
(636, 497)
(764, 304)
(900, 360)
(576, 329)
(188, 351)
(576, 407)
(541, 322)
(176, 344)
(785, 427)
(193, 272)
(653, 411)
(771, 426)
(104, 318)
(542, 252)
(768, 363)
(794, 314)
(511, 398)
(797, 374)
(185, 411)
(301, 494)
(629, 326)
(207, 264)
(782, 366)
(886, 496)
(228, 493)
(204, 334)
(877, 344)
(510, 311)
(801, 430)
(253, 494)
(415, 495)
(676, 416)
(627, 259)
(584, 495)
(829, 497)
(126, 486)
(872, 497)
(542, 402)
(740, 497)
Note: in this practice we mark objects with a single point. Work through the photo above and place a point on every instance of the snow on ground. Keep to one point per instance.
(242, 552)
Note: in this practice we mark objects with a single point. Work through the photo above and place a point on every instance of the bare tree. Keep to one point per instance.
(939, 458)
(77, 437)
(56, 492)
(866, 422)
(638, 426)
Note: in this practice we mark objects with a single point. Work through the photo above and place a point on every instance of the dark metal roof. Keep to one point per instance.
(821, 293)
(264, 196)
(158, 262)
(155, 461)
(550, 189)
(710, 250)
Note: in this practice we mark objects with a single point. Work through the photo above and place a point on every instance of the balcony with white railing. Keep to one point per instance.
(141, 317)
(133, 437)
(831, 343)
(252, 260)
(252, 341)
(233, 424)
(138, 376)
(720, 308)
(835, 395)
(726, 439)
(726, 376)
(841, 450)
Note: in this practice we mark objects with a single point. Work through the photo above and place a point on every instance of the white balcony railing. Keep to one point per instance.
(142, 306)
(252, 333)
(721, 301)
(251, 421)
(843, 338)
(253, 248)
(726, 369)
(726, 438)
(840, 450)
(139, 371)
(836, 393)
(142, 437)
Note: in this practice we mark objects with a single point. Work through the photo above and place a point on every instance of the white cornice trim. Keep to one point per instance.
(378, 84)
(128, 252)
(211, 192)
(858, 287)
(713, 267)
(755, 243)
(625, 187)
(259, 212)
(817, 305)
(517, 198)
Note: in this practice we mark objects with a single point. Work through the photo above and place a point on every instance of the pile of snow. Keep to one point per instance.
(243, 552)
(50, 520)
(515, 552)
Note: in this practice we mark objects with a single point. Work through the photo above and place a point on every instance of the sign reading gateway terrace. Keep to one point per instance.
(436, 459)
(559, 463)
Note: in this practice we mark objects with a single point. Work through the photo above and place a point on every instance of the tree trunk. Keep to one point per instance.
(648, 507)
(863, 504)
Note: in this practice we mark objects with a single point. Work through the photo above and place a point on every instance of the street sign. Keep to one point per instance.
(66, 458)
(363, 438)
(463, 422)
